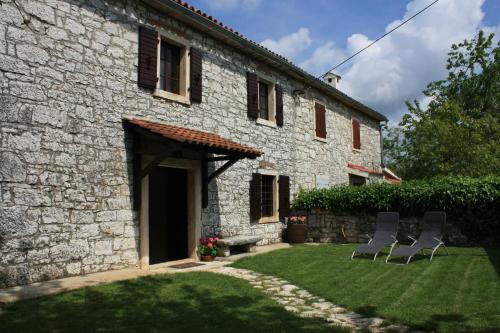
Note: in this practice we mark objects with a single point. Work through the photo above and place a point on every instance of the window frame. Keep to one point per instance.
(271, 100)
(275, 217)
(318, 138)
(184, 68)
(168, 78)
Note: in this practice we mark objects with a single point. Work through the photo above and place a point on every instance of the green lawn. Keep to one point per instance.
(459, 293)
(185, 302)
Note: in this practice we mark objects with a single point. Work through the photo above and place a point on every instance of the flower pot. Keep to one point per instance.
(207, 258)
(296, 233)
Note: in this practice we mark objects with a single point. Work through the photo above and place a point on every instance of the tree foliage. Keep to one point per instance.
(458, 133)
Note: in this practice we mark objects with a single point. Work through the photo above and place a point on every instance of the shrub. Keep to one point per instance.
(474, 202)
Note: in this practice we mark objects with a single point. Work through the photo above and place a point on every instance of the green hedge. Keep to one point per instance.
(473, 201)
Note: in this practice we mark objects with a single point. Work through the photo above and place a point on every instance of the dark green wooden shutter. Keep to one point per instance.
(252, 95)
(148, 58)
(255, 196)
(196, 75)
(279, 106)
(284, 196)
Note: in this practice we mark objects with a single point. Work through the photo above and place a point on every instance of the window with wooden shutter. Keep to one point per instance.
(279, 105)
(320, 121)
(170, 59)
(255, 196)
(148, 57)
(196, 75)
(268, 206)
(264, 101)
(356, 134)
(253, 95)
(284, 196)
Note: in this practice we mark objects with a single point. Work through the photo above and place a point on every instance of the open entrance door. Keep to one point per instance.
(168, 214)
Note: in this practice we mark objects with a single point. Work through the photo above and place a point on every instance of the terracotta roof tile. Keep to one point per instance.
(362, 168)
(214, 20)
(195, 137)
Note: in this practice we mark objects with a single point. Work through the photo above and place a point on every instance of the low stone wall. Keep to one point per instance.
(340, 227)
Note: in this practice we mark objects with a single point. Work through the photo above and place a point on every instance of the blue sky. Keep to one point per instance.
(318, 34)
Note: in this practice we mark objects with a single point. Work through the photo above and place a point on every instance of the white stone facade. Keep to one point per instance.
(68, 77)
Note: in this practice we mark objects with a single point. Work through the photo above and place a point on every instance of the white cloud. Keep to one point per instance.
(398, 67)
(232, 4)
(290, 45)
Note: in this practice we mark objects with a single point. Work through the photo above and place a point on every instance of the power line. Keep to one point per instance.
(376, 40)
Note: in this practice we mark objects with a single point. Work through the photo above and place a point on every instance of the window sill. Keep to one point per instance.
(356, 150)
(265, 122)
(172, 97)
(270, 219)
(316, 138)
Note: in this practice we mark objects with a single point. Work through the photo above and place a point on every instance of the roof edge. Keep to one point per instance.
(187, 14)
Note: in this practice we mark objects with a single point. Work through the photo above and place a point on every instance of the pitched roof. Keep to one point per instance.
(196, 138)
(186, 13)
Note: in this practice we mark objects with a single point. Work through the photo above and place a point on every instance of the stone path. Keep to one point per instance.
(302, 303)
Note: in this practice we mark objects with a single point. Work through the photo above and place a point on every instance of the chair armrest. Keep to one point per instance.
(438, 239)
(369, 237)
(413, 239)
(395, 239)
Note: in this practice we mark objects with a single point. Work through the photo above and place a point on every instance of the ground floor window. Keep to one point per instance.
(355, 180)
(269, 197)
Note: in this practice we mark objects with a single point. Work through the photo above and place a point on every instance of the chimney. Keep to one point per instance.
(332, 79)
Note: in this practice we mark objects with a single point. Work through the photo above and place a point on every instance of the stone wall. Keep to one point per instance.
(348, 227)
(68, 76)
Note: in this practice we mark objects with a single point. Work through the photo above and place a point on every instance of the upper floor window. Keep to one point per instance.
(170, 61)
(265, 100)
(168, 67)
(319, 121)
(356, 135)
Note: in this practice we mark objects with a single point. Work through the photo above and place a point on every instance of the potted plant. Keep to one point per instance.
(207, 250)
(296, 229)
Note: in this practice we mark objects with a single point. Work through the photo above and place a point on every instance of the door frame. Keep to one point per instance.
(193, 168)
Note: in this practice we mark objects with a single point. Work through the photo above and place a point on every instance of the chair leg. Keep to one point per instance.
(433, 251)
(387, 259)
(408, 261)
(375, 256)
(352, 256)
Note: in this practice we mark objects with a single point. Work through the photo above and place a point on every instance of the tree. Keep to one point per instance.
(459, 131)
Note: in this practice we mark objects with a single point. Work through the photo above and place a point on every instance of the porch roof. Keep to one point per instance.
(362, 168)
(195, 138)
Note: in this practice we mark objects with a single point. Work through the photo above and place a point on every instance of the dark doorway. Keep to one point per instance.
(356, 180)
(168, 227)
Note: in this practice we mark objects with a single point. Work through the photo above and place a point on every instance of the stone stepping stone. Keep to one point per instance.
(304, 304)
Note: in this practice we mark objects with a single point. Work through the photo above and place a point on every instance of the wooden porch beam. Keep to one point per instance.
(223, 168)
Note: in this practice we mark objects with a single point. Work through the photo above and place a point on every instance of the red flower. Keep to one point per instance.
(210, 245)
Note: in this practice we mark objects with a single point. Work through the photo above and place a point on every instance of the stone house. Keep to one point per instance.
(128, 129)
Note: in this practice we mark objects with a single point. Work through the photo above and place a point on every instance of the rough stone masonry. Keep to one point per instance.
(68, 76)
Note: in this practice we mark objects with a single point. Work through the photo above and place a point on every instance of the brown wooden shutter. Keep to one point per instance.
(320, 114)
(356, 135)
(253, 95)
(255, 196)
(148, 58)
(196, 75)
(284, 196)
(279, 106)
